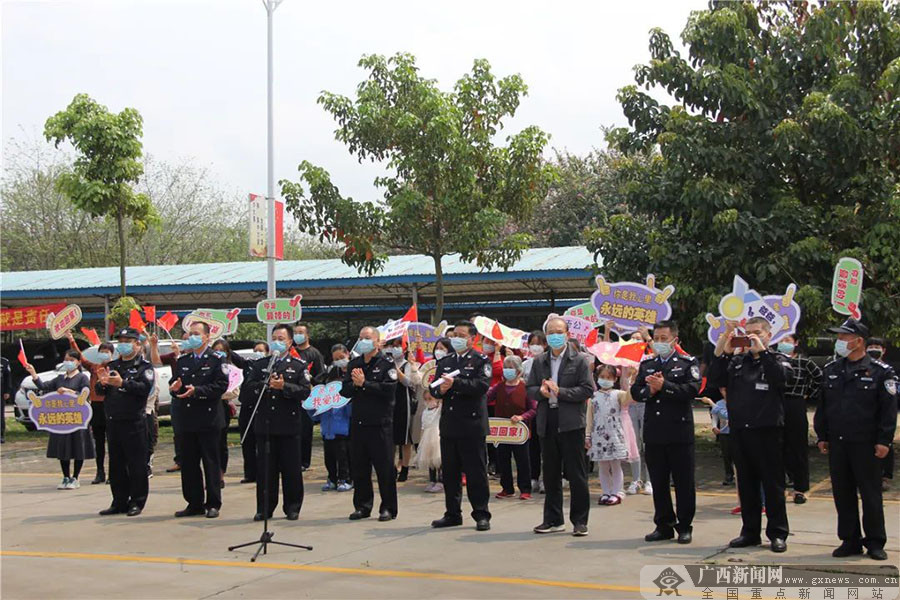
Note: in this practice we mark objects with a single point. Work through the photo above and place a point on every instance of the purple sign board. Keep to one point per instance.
(780, 310)
(426, 335)
(632, 305)
(60, 413)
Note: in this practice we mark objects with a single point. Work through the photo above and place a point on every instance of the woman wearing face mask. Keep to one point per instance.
(247, 399)
(610, 440)
(512, 402)
(335, 427)
(537, 345)
(426, 425)
(77, 445)
(98, 420)
(222, 349)
(410, 379)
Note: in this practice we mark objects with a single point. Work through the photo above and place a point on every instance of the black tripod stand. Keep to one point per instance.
(266, 537)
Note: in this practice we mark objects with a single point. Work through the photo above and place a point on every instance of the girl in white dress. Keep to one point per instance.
(610, 438)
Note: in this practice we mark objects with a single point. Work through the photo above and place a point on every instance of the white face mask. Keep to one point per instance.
(439, 354)
(535, 349)
(341, 363)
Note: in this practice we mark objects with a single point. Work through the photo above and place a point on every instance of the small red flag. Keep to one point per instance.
(150, 313)
(91, 335)
(496, 332)
(22, 358)
(633, 351)
(296, 354)
(412, 315)
(420, 355)
(135, 321)
(168, 320)
(591, 338)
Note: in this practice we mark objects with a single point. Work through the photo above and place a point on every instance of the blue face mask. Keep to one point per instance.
(786, 347)
(255, 356)
(365, 346)
(277, 346)
(509, 374)
(221, 354)
(459, 344)
(300, 338)
(841, 348)
(605, 384)
(142, 338)
(124, 348)
(439, 353)
(104, 356)
(556, 340)
(488, 348)
(69, 365)
(663, 349)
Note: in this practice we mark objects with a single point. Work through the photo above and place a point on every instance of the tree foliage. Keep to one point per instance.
(108, 164)
(780, 154)
(451, 188)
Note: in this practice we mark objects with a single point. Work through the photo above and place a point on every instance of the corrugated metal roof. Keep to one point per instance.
(570, 258)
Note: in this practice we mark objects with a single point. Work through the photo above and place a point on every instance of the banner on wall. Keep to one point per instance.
(27, 317)
(259, 218)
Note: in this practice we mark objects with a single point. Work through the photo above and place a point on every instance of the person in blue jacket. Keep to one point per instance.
(335, 427)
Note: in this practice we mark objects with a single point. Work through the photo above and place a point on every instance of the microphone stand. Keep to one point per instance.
(266, 537)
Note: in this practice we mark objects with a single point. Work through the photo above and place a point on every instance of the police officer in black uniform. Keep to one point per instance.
(127, 382)
(756, 381)
(855, 423)
(465, 377)
(199, 380)
(370, 384)
(278, 424)
(668, 383)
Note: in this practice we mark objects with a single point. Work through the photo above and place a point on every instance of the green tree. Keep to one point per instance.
(450, 187)
(780, 154)
(108, 164)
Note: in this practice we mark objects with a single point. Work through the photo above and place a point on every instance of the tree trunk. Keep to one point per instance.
(120, 224)
(439, 291)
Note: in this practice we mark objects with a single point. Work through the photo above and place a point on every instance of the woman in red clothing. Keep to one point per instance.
(512, 402)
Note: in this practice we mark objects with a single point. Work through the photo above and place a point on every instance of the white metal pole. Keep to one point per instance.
(271, 5)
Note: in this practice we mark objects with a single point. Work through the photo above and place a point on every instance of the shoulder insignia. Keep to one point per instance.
(392, 374)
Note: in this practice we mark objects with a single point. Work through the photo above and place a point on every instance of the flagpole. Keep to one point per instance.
(270, 5)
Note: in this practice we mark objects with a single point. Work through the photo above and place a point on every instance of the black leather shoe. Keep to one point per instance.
(356, 515)
(482, 525)
(847, 549)
(259, 517)
(877, 554)
(685, 537)
(112, 510)
(779, 545)
(190, 512)
(134, 511)
(743, 541)
(245, 480)
(292, 516)
(799, 498)
(446, 522)
(657, 536)
(212, 513)
(386, 516)
(100, 478)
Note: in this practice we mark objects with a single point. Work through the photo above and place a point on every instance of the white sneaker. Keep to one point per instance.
(648, 489)
(73, 484)
(634, 488)
(436, 488)
(64, 484)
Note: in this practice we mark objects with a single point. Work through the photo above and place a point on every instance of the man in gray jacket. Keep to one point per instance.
(561, 383)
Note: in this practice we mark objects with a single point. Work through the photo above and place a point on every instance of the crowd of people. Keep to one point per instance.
(582, 415)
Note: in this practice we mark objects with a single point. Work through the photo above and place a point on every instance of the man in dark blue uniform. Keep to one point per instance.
(855, 423)
(278, 425)
(371, 383)
(756, 381)
(668, 384)
(464, 376)
(126, 382)
(198, 382)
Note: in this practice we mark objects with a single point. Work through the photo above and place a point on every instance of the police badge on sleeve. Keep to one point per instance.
(891, 386)
(392, 374)
(488, 369)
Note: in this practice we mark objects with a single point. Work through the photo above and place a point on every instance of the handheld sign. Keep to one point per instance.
(504, 431)
(323, 398)
(273, 311)
(216, 327)
(497, 331)
(63, 321)
(235, 378)
(60, 413)
(585, 311)
(579, 329)
(782, 313)
(846, 288)
(425, 336)
(632, 305)
(393, 330)
(228, 317)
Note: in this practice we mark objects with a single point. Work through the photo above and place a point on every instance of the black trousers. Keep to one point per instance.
(565, 451)
(177, 440)
(887, 464)
(306, 433)
(98, 431)
(248, 447)
(465, 455)
(855, 467)
(152, 433)
(758, 458)
(505, 453)
(223, 439)
(727, 456)
(675, 463)
(201, 447)
(283, 461)
(128, 462)
(373, 447)
(337, 458)
(796, 446)
(534, 452)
